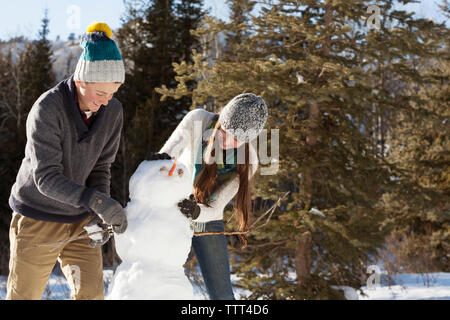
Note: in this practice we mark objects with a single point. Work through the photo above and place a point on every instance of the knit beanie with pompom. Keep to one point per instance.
(101, 60)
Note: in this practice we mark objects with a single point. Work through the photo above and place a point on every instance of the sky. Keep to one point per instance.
(23, 17)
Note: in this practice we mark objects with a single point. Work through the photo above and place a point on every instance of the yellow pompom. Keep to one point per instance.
(99, 27)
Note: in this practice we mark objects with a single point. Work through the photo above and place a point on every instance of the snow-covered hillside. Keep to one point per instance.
(65, 55)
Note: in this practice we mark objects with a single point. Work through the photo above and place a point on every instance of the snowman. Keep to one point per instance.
(158, 238)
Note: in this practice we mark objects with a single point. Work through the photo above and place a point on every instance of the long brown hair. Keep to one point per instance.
(205, 185)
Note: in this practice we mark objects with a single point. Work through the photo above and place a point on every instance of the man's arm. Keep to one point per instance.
(44, 146)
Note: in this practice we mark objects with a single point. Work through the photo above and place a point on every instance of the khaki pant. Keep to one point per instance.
(31, 263)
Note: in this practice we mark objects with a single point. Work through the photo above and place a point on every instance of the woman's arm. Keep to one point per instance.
(183, 136)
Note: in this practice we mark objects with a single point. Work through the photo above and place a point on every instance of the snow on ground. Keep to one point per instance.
(434, 286)
(57, 288)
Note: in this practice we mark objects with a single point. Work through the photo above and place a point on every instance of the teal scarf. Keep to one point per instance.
(225, 170)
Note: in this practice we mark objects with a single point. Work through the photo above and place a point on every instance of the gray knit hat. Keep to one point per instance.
(244, 116)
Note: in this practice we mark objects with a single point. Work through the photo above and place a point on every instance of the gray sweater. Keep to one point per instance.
(65, 160)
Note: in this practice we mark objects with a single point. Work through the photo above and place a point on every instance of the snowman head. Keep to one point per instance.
(171, 171)
(160, 183)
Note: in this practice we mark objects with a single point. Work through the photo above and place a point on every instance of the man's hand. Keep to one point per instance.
(109, 210)
(95, 225)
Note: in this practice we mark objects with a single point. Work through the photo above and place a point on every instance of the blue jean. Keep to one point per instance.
(212, 255)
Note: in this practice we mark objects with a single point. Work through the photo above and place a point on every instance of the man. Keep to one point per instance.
(63, 184)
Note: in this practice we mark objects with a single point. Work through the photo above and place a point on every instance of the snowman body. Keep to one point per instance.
(158, 239)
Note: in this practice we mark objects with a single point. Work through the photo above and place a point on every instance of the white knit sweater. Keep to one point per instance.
(185, 144)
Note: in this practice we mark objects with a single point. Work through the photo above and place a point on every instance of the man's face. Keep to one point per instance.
(92, 95)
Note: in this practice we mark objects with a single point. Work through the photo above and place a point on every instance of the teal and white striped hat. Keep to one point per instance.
(101, 60)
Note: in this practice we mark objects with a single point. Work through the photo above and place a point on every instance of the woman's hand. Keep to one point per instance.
(189, 207)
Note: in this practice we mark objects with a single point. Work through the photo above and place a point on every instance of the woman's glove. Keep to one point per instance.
(158, 156)
(189, 207)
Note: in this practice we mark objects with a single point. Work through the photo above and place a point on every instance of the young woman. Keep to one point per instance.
(218, 150)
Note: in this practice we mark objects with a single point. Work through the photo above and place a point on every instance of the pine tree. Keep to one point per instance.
(37, 66)
(420, 146)
(21, 84)
(240, 11)
(8, 160)
(44, 73)
(189, 15)
(317, 65)
(153, 36)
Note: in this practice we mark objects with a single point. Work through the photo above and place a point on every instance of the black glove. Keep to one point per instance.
(95, 225)
(158, 156)
(109, 210)
(189, 207)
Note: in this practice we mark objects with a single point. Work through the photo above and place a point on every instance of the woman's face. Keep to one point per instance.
(228, 141)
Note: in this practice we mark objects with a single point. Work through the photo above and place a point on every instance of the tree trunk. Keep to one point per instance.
(303, 259)
(303, 250)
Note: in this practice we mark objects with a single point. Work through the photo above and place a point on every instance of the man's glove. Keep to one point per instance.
(189, 207)
(109, 210)
(96, 225)
(158, 156)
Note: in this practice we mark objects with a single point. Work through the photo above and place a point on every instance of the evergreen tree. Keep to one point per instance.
(240, 15)
(36, 66)
(189, 15)
(420, 146)
(71, 37)
(9, 155)
(21, 84)
(153, 36)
